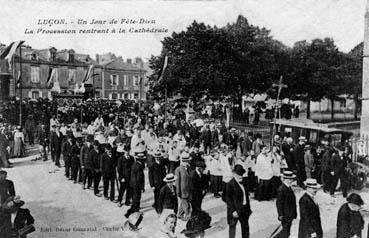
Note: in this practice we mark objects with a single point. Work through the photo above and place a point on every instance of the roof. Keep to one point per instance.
(308, 125)
(120, 64)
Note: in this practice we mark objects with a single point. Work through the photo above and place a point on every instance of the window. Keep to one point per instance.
(126, 96)
(114, 79)
(135, 96)
(35, 94)
(72, 77)
(125, 81)
(35, 74)
(136, 81)
(53, 56)
(71, 57)
(343, 103)
(97, 93)
(114, 96)
(33, 56)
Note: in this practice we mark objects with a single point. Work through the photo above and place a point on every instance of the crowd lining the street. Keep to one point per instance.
(185, 161)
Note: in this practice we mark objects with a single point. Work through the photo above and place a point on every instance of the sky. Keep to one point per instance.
(288, 20)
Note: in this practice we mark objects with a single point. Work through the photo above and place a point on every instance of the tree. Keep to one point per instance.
(315, 71)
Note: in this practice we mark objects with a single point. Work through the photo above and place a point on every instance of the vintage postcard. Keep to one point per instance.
(163, 118)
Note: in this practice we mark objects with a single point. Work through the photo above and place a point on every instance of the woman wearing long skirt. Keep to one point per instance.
(18, 142)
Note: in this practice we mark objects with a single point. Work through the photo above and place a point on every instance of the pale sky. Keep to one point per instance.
(288, 20)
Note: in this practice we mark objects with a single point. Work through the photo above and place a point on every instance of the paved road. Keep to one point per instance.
(58, 203)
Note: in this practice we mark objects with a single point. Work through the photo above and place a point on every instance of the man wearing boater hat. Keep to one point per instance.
(286, 204)
(182, 187)
(310, 223)
(167, 201)
(137, 183)
(157, 173)
(238, 203)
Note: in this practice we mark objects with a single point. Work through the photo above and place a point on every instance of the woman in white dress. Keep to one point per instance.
(18, 142)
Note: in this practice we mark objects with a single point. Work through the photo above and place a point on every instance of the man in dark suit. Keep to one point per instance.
(67, 155)
(182, 187)
(107, 165)
(95, 157)
(157, 173)
(232, 139)
(199, 184)
(56, 140)
(299, 155)
(167, 197)
(137, 183)
(14, 218)
(86, 163)
(286, 204)
(310, 223)
(238, 203)
(287, 148)
(124, 165)
(6, 187)
(337, 168)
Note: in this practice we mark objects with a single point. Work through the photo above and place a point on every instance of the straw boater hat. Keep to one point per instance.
(169, 178)
(312, 183)
(139, 155)
(157, 154)
(288, 175)
(185, 157)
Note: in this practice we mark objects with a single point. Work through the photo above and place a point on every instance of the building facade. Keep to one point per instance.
(111, 79)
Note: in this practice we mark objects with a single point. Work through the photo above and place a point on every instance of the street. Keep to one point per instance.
(63, 209)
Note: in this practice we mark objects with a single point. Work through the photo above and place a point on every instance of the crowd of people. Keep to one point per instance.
(185, 161)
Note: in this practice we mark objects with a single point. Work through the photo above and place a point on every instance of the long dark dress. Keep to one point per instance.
(349, 223)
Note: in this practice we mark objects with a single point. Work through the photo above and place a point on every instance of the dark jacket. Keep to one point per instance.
(291, 163)
(309, 218)
(167, 199)
(349, 223)
(234, 200)
(299, 154)
(56, 142)
(107, 165)
(6, 190)
(124, 167)
(137, 180)
(157, 173)
(286, 203)
(95, 158)
(182, 182)
(337, 164)
(197, 185)
(22, 219)
(84, 156)
(67, 151)
(75, 155)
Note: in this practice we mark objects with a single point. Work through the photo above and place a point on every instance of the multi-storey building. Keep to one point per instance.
(111, 78)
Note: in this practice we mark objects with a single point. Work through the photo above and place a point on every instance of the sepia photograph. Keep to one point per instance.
(177, 118)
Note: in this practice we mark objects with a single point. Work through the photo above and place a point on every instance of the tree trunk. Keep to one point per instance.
(356, 106)
(308, 109)
(332, 109)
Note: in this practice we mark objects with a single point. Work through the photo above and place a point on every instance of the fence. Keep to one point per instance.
(264, 130)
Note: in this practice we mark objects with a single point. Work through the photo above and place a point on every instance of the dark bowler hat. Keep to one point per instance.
(199, 222)
(239, 170)
(90, 138)
(96, 143)
(339, 147)
(108, 147)
(355, 199)
(200, 164)
(288, 175)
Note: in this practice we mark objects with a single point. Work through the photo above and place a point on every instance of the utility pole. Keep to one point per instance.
(364, 119)
(20, 85)
(280, 86)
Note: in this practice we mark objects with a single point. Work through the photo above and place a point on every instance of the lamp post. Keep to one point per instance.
(280, 86)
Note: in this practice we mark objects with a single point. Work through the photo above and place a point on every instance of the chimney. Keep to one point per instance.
(129, 61)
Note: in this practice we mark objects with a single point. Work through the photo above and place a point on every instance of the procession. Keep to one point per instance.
(217, 127)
